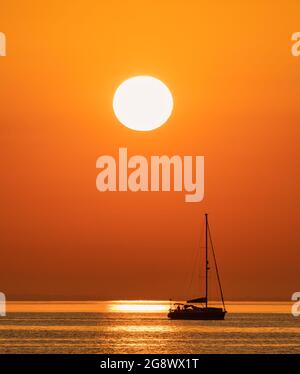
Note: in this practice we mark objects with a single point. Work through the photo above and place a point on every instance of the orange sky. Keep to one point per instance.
(236, 91)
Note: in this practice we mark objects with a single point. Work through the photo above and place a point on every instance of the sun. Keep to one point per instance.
(143, 103)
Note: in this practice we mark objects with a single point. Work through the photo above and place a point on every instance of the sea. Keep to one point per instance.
(137, 326)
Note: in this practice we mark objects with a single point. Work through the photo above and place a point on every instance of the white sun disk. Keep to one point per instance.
(143, 103)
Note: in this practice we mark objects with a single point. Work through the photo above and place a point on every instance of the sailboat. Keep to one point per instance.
(201, 311)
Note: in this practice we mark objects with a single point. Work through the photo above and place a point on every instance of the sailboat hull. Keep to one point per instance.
(206, 314)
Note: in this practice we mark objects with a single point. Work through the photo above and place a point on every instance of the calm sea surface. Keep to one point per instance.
(142, 327)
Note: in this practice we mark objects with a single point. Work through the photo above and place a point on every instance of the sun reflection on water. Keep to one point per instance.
(138, 306)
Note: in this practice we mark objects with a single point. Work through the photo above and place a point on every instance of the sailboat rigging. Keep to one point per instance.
(203, 312)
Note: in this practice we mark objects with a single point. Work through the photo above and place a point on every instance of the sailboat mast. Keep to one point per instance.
(206, 259)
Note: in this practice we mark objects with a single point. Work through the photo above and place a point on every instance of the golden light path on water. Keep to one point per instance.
(138, 306)
(142, 326)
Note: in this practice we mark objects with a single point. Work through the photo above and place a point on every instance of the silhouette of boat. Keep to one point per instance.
(202, 311)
